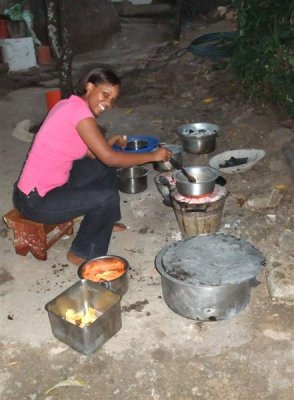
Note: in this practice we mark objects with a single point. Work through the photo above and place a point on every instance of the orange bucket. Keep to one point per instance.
(43, 55)
(4, 33)
(52, 98)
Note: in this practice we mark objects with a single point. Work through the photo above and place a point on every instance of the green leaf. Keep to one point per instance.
(291, 60)
(68, 382)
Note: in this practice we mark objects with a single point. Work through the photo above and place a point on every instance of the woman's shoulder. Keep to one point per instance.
(76, 101)
(77, 107)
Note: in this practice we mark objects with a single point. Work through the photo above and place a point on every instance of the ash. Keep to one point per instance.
(212, 260)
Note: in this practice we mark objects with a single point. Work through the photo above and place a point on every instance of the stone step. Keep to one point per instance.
(48, 76)
(144, 10)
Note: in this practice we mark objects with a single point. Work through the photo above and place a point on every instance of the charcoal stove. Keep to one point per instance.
(199, 214)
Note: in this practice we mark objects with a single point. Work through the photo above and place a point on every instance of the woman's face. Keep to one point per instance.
(101, 97)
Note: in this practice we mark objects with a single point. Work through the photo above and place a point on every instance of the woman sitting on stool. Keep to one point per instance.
(70, 170)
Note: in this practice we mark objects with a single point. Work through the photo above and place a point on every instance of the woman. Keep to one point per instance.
(71, 168)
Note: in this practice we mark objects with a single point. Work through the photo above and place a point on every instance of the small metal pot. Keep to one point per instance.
(132, 180)
(198, 138)
(177, 155)
(118, 285)
(205, 181)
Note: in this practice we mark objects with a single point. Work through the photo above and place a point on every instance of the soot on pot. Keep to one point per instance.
(214, 260)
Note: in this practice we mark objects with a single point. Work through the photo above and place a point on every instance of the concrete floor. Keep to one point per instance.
(158, 354)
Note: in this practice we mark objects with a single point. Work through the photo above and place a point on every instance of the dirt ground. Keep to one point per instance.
(158, 354)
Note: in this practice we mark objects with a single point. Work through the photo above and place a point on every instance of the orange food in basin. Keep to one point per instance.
(103, 269)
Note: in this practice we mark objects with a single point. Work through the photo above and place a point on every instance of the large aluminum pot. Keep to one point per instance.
(132, 180)
(202, 302)
(205, 180)
(177, 155)
(198, 138)
(118, 285)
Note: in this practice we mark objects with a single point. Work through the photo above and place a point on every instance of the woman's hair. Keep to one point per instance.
(96, 76)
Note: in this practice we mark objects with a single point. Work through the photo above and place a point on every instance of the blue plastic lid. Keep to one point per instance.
(151, 143)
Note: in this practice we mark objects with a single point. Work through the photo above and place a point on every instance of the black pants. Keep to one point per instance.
(91, 191)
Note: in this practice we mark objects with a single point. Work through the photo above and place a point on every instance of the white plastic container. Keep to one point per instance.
(18, 53)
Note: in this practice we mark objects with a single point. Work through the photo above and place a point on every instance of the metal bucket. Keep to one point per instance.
(198, 138)
(132, 180)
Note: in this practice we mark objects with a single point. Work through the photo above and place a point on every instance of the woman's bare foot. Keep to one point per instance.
(119, 227)
(76, 260)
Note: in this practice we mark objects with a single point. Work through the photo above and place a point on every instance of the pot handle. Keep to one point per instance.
(106, 284)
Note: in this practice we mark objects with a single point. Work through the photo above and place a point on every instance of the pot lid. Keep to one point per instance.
(214, 259)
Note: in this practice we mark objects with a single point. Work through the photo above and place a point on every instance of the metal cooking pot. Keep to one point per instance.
(208, 277)
(118, 285)
(205, 181)
(177, 155)
(132, 180)
(199, 138)
(205, 303)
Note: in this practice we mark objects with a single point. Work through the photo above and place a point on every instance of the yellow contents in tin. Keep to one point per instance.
(82, 318)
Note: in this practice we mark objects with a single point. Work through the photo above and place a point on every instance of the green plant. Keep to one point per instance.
(263, 53)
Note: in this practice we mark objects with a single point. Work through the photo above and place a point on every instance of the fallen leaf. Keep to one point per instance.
(68, 382)
(129, 111)
(280, 187)
(208, 100)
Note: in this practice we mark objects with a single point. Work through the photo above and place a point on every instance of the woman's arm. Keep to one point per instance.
(98, 145)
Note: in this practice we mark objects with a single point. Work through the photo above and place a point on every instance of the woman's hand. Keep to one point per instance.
(119, 140)
(162, 154)
(102, 148)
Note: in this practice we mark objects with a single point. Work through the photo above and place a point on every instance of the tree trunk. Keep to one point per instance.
(58, 33)
(65, 70)
(53, 28)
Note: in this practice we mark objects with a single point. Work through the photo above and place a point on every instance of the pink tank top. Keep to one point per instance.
(56, 146)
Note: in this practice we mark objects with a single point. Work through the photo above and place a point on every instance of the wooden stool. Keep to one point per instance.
(34, 236)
